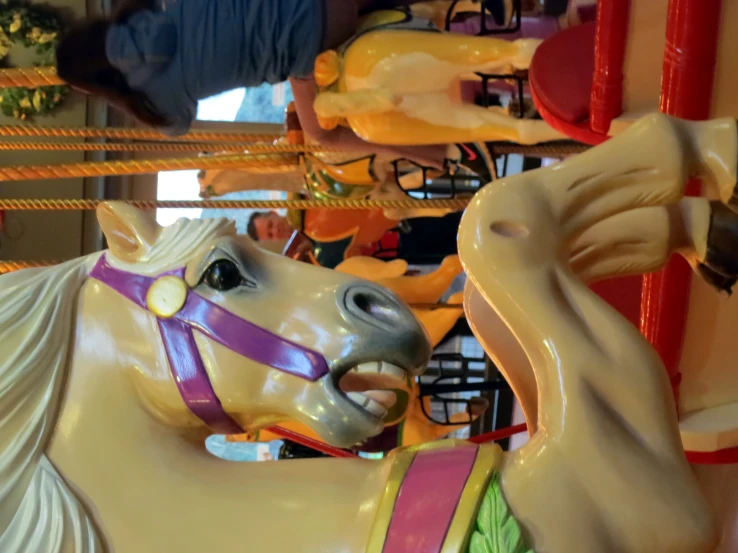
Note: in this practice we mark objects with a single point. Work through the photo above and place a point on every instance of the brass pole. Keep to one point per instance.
(31, 131)
(141, 167)
(551, 149)
(10, 266)
(8, 204)
(29, 77)
(212, 147)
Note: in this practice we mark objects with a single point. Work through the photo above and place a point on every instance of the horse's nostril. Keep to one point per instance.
(363, 302)
(509, 229)
(373, 306)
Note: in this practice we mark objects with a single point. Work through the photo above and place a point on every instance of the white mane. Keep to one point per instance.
(37, 309)
(176, 244)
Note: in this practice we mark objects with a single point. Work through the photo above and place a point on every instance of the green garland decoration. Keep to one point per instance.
(497, 530)
(38, 28)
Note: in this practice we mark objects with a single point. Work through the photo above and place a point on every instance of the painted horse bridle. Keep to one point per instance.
(180, 311)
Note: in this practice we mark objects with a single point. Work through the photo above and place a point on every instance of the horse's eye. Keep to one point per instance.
(223, 275)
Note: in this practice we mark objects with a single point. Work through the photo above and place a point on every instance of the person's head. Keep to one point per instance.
(268, 225)
(82, 62)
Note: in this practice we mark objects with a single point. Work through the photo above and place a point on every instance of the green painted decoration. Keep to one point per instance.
(36, 27)
(497, 530)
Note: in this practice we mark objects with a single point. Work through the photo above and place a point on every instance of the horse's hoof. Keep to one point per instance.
(720, 266)
(720, 282)
(732, 202)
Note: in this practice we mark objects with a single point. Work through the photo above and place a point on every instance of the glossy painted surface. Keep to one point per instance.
(88, 392)
(607, 82)
(404, 511)
(379, 84)
(408, 411)
(525, 244)
(423, 516)
(222, 326)
(250, 335)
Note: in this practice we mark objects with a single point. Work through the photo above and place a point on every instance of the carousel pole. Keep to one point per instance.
(29, 77)
(552, 150)
(118, 133)
(195, 147)
(12, 266)
(141, 167)
(8, 204)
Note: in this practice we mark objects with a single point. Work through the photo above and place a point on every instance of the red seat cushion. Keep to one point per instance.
(561, 73)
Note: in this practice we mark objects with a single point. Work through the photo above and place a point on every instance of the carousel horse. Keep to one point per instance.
(341, 233)
(114, 366)
(116, 363)
(525, 245)
(397, 82)
(421, 289)
(337, 233)
(406, 423)
(326, 176)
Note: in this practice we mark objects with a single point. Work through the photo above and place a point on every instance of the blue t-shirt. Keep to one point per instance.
(189, 50)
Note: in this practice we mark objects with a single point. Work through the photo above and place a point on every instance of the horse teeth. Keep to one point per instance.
(394, 371)
(358, 398)
(380, 367)
(369, 367)
(373, 407)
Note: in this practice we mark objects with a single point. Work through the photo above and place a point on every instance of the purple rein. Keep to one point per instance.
(217, 324)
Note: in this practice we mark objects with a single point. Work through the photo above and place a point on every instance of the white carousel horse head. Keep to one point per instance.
(210, 331)
(278, 313)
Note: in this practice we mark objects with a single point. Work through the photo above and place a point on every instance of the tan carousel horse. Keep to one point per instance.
(114, 366)
(422, 289)
(397, 82)
(408, 414)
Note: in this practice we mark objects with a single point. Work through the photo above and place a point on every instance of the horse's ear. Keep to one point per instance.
(130, 232)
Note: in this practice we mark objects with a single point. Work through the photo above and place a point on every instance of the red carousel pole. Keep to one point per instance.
(686, 91)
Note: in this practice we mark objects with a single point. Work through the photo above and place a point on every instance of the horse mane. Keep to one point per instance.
(176, 244)
(37, 310)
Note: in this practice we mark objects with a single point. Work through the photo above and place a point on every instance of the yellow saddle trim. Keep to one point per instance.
(463, 522)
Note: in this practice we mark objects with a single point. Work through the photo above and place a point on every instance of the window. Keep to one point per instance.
(264, 104)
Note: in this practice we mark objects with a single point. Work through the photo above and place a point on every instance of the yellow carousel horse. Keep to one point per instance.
(397, 82)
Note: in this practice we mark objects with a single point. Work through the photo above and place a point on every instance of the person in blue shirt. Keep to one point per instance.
(157, 58)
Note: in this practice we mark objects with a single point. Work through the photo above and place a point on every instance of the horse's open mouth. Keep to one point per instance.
(370, 386)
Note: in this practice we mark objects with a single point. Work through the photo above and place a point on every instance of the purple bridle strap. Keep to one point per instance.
(219, 325)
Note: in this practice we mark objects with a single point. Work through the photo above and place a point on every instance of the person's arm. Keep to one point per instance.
(179, 124)
(126, 8)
